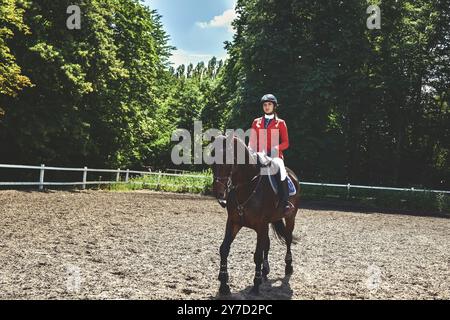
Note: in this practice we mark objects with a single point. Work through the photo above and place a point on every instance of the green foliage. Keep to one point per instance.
(11, 22)
(362, 106)
(179, 183)
(418, 201)
(96, 91)
(365, 106)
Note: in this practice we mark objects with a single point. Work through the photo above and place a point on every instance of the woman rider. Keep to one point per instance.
(270, 136)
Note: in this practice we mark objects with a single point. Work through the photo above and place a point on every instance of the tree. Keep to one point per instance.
(362, 105)
(11, 22)
(97, 88)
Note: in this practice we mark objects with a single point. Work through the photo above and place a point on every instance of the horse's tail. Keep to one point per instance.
(281, 233)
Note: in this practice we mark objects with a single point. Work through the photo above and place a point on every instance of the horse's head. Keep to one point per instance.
(222, 182)
(222, 171)
(232, 151)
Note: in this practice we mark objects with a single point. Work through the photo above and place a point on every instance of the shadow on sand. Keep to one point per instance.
(271, 289)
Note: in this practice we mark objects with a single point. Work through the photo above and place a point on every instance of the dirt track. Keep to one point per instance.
(148, 245)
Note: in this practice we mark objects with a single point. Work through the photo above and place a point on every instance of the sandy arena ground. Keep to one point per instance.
(148, 245)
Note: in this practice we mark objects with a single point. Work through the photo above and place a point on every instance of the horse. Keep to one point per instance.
(250, 202)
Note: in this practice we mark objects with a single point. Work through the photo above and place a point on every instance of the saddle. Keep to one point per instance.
(274, 185)
(264, 161)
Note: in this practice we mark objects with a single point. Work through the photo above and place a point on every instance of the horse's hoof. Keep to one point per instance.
(254, 291)
(224, 290)
(288, 270)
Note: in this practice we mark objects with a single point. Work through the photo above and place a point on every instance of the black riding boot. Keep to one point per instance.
(284, 197)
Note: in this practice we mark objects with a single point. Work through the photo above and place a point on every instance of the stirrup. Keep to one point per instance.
(288, 209)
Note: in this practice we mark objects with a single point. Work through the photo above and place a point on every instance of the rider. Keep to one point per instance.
(261, 141)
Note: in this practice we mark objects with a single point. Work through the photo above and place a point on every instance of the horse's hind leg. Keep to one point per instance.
(288, 259)
(230, 233)
(263, 234)
(266, 267)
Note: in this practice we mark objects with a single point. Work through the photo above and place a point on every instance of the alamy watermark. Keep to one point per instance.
(73, 22)
(374, 20)
(73, 279)
(373, 280)
(190, 148)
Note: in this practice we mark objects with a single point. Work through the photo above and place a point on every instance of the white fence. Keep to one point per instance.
(118, 172)
(41, 183)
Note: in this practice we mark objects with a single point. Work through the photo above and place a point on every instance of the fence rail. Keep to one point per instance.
(355, 186)
(42, 168)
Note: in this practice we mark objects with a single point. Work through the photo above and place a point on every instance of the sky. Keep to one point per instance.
(197, 28)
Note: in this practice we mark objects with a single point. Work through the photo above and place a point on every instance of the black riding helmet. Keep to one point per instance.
(269, 98)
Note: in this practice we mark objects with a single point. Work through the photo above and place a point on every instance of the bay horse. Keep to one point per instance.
(251, 202)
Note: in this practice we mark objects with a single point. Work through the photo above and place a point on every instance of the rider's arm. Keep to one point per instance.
(253, 141)
(284, 137)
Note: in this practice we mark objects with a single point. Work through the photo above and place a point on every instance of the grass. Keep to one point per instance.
(180, 183)
(370, 198)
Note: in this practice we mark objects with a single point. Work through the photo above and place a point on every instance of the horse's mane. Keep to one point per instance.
(250, 155)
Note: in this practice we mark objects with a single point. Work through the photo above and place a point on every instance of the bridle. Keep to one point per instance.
(229, 186)
(229, 182)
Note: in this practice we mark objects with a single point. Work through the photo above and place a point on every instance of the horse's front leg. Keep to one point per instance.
(262, 236)
(266, 267)
(230, 233)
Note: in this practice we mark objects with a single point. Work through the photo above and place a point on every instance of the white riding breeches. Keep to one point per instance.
(272, 168)
(280, 165)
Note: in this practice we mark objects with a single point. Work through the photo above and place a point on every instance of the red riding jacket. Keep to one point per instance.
(261, 138)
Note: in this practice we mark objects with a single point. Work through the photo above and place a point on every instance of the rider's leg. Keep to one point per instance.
(280, 163)
(284, 188)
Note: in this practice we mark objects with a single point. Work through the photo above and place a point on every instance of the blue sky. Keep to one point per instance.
(197, 28)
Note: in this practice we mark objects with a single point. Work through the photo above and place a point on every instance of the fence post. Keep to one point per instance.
(159, 179)
(348, 191)
(127, 176)
(118, 175)
(143, 180)
(41, 177)
(84, 178)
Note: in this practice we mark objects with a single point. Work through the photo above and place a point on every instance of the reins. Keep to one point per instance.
(231, 186)
(241, 206)
(227, 182)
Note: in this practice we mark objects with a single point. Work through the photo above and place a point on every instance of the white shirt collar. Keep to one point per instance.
(269, 116)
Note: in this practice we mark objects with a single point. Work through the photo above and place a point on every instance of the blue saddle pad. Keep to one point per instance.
(274, 184)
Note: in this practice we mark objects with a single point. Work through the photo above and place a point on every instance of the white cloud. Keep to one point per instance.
(222, 21)
(180, 57)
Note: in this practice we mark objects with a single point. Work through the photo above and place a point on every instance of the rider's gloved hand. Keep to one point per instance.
(274, 153)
